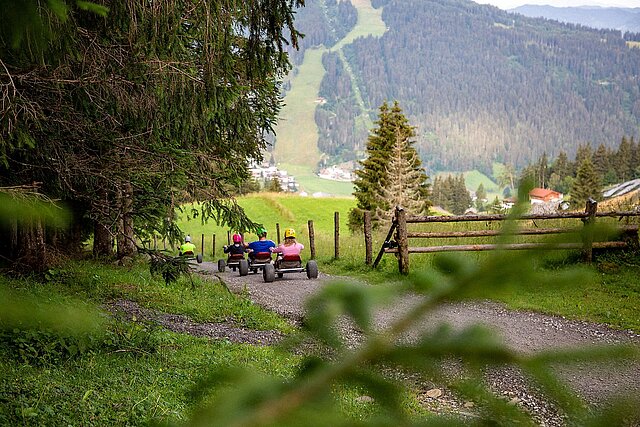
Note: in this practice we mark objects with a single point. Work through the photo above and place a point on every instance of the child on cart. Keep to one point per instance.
(237, 249)
(289, 250)
(260, 247)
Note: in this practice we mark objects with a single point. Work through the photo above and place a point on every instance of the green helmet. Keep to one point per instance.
(262, 231)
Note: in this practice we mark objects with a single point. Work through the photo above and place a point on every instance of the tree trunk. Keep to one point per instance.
(31, 252)
(126, 242)
(102, 242)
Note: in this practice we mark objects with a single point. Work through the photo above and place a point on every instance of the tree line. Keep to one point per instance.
(123, 111)
(589, 172)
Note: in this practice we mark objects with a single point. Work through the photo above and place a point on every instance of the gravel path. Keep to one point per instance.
(524, 332)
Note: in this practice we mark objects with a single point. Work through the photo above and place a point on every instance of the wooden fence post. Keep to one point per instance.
(228, 237)
(278, 232)
(155, 242)
(403, 241)
(587, 234)
(202, 245)
(336, 234)
(312, 244)
(213, 246)
(368, 245)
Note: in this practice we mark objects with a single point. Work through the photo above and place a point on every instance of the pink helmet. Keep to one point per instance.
(237, 238)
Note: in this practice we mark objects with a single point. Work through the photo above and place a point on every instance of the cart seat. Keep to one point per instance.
(236, 257)
(263, 257)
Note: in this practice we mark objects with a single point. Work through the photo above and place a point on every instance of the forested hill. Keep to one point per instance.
(482, 84)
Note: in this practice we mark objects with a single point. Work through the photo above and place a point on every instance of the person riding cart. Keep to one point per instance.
(288, 260)
(236, 253)
(259, 254)
(187, 248)
(289, 251)
(261, 248)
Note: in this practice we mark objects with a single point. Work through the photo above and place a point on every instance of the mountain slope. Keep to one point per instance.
(482, 84)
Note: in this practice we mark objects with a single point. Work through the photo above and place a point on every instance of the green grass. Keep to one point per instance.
(125, 388)
(297, 132)
(473, 178)
(369, 23)
(285, 209)
(138, 373)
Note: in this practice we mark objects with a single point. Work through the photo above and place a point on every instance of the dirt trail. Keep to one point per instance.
(524, 332)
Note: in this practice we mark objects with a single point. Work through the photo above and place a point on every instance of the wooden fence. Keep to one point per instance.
(625, 236)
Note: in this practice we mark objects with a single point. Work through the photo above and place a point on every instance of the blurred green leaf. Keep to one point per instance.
(28, 208)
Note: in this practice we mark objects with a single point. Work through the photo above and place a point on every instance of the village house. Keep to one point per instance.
(544, 195)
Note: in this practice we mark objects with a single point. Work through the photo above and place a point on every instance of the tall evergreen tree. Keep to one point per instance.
(586, 185)
(130, 115)
(406, 182)
(561, 174)
(561, 166)
(372, 177)
(481, 196)
(623, 160)
(543, 172)
(461, 197)
(601, 160)
(583, 152)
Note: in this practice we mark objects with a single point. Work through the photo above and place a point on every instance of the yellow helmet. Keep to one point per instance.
(289, 232)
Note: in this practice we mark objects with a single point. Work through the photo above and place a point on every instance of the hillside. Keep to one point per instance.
(480, 84)
(622, 19)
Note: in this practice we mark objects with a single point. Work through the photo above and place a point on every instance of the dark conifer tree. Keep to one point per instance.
(586, 185)
(372, 177)
(623, 160)
(481, 196)
(601, 160)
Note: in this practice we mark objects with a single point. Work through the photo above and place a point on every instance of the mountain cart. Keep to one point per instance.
(289, 264)
(255, 263)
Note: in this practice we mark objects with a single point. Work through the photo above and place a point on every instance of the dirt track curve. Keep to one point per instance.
(522, 331)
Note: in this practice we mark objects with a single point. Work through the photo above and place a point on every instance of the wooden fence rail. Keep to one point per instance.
(584, 235)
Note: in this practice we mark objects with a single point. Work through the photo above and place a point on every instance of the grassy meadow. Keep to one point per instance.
(608, 294)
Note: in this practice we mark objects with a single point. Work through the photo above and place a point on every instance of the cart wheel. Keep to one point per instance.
(199, 258)
(221, 265)
(280, 275)
(269, 273)
(312, 270)
(243, 267)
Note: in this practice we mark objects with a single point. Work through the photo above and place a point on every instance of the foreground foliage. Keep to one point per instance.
(308, 396)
